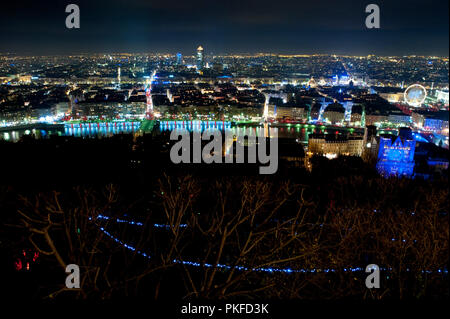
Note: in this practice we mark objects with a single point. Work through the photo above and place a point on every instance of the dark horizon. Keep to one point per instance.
(281, 27)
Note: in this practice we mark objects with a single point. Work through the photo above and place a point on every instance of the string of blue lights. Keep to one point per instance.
(238, 267)
(132, 222)
(135, 223)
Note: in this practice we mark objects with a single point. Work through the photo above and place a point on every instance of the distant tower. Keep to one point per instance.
(118, 77)
(309, 106)
(363, 116)
(179, 59)
(200, 58)
(148, 94)
(71, 104)
(266, 107)
(169, 96)
(312, 83)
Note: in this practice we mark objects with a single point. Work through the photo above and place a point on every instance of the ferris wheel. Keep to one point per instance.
(415, 95)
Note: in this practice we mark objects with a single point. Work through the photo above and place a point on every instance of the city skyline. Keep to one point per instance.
(193, 52)
(284, 27)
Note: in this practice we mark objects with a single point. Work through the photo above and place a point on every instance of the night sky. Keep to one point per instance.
(226, 26)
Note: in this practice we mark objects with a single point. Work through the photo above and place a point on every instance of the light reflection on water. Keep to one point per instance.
(103, 129)
(15, 135)
(297, 132)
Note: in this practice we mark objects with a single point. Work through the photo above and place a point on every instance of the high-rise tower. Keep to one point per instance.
(118, 77)
(148, 94)
(179, 59)
(200, 58)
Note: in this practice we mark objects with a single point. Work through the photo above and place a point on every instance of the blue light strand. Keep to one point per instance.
(165, 226)
(124, 244)
(132, 222)
(261, 269)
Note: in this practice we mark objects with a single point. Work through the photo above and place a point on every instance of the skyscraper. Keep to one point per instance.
(179, 59)
(118, 78)
(200, 58)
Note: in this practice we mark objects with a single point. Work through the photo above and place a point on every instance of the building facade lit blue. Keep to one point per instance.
(396, 156)
(435, 125)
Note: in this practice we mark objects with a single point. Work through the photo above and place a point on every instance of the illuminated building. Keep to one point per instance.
(372, 119)
(331, 145)
(312, 83)
(401, 119)
(294, 113)
(200, 58)
(266, 112)
(334, 113)
(118, 77)
(435, 121)
(169, 96)
(396, 154)
(435, 125)
(149, 99)
(24, 78)
(442, 96)
(179, 59)
(393, 97)
(370, 143)
(358, 115)
(417, 119)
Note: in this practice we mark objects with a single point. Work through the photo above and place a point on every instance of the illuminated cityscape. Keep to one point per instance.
(107, 92)
(359, 138)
